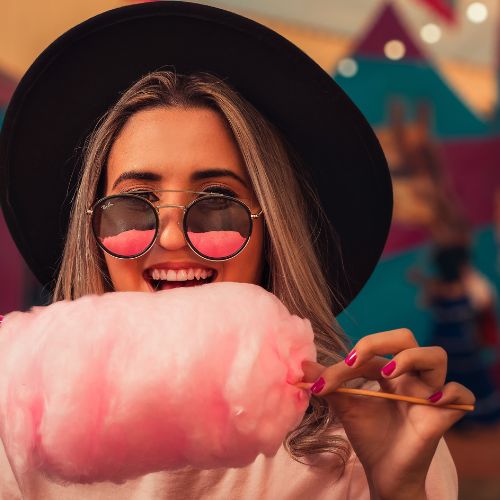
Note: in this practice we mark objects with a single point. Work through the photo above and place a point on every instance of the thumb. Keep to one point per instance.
(312, 370)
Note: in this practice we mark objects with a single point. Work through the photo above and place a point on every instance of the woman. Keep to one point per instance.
(172, 137)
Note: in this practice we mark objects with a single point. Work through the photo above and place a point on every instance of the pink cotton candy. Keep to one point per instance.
(129, 242)
(115, 386)
(217, 243)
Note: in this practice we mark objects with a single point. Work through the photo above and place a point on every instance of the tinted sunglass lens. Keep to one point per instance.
(217, 227)
(125, 226)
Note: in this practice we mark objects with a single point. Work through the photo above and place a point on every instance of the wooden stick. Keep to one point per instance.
(387, 395)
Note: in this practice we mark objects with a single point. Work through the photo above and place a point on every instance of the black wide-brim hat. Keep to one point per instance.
(84, 72)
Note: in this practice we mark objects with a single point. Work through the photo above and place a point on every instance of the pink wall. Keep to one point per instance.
(12, 272)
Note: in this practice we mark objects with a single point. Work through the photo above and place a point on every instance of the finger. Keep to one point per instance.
(338, 374)
(312, 370)
(430, 363)
(382, 343)
(453, 393)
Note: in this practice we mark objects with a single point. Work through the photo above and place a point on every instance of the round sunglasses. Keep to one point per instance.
(216, 226)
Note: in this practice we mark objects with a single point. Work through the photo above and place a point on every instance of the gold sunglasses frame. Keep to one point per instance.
(185, 208)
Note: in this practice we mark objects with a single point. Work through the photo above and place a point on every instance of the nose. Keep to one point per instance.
(171, 236)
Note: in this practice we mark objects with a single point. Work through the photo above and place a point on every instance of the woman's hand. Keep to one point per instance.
(394, 440)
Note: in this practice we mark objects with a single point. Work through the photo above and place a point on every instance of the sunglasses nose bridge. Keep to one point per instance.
(170, 231)
(170, 206)
(170, 214)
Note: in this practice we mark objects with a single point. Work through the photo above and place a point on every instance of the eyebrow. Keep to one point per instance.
(195, 176)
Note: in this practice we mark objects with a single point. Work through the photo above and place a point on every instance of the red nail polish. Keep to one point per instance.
(351, 358)
(389, 368)
(435, 397)
(1, 319)
(318, 385)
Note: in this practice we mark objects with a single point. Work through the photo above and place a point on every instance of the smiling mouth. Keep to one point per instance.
(157, 285)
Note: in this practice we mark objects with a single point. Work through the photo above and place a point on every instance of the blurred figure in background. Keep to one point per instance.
(496, 230)
(461, 300)
(462, 303)
(496, 225)
(424, 197)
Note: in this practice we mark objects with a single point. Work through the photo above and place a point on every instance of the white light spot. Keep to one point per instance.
(430, 33)
(477, 12)
(394, 49)
(347, 67)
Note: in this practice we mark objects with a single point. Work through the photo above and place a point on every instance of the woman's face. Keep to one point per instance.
(185, 149)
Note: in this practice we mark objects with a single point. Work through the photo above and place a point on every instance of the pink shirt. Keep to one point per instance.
(279, 477)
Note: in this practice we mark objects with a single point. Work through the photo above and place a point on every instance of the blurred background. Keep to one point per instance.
(426, 74)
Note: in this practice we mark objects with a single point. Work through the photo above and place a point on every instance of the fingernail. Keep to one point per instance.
(435, 397)
(389, 368)
(351, 358)
(1, 318)
(318, 385)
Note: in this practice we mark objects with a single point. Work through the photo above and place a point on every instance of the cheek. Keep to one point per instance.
(126, 275)
(247, 267)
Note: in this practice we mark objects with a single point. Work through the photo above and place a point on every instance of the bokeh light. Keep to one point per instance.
(430, 33)
(477, 12)
(394, 49)
(347, 67)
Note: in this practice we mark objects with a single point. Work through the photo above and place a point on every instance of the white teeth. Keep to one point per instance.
(180, 274)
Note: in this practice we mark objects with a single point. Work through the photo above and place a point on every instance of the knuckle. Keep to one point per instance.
(452, 386)
(363, 343)
(441, 353)
(408, 334)
(456, 389)
(472, 396)
(404, 357)
(366, 343)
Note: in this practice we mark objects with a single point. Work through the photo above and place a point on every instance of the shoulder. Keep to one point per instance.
(442, 480)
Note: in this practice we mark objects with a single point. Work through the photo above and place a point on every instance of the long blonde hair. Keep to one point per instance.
(296, 266)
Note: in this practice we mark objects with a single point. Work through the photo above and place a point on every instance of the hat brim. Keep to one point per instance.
(79, 76)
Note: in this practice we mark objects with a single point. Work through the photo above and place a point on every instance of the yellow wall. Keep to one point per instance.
(28, 26)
